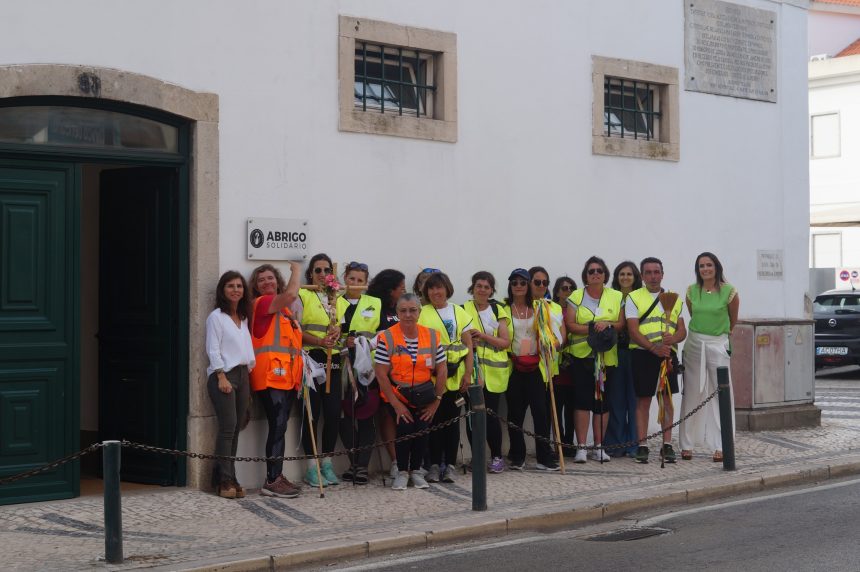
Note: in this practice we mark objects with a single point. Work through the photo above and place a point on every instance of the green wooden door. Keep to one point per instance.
(138, 317)
(39, 398)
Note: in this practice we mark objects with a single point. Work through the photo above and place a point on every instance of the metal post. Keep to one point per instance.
(479, 448)
(727, 419)
(113, 506)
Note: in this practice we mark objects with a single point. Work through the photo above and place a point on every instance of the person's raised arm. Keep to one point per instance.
(290, 293)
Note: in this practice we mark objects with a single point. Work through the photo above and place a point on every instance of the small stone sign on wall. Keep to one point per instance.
(730, 49)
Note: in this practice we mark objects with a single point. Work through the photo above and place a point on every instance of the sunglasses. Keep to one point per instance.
(430, 270)
(540, 282)
(595, 271)
(519, 283)
(566, 288)
(357, 266)
(319, 270)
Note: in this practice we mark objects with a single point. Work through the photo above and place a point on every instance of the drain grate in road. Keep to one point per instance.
(628, 534)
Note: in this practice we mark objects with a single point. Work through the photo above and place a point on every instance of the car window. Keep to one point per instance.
(837, 303)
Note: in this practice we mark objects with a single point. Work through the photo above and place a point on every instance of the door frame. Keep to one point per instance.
(29, 154)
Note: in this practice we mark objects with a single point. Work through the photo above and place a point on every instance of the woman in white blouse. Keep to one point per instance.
(231, 357)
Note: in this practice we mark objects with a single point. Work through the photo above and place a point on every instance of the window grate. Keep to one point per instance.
(631, 108)
(393, 79)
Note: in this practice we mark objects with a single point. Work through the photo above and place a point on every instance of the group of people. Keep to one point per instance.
(613, 348)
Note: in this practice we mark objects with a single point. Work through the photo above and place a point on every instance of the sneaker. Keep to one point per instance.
(392, 472)
(240, 492)
(581, 455)
(432, 475)
(548, 466)
(599, 454)
(497, 465)
(281, 487)
(668, 453)
(226, 490)
(418, 480)
(348, 475)
(328, 473)
(311, 478)
(360, 476)
(641, 455)
(401, 480)
(516, 465)
(448, 474)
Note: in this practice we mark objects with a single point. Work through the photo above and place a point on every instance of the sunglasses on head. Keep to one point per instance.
(519, 282)
(595, 270)
(540, 282)
(430, 270)
(319, 270)
(357, 266)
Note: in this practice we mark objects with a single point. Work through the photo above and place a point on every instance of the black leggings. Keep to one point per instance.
(494, 426)
(564, 406)
(277, 404)
(361, 434)
(410, 453)
(331, 408)
(444, 442)
(527, 390)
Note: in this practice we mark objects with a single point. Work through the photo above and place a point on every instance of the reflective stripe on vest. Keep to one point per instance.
(610, 310)
(653, 326)
(455, 350)
(315, 319)
(363, 325)
(404, 371)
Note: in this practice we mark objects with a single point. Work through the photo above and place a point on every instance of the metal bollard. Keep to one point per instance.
(479, 448)
(111, 457)
(727, 419)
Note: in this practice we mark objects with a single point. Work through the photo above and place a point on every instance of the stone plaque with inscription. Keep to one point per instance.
(730, 49)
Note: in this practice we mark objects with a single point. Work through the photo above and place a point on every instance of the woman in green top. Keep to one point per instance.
(713, 304)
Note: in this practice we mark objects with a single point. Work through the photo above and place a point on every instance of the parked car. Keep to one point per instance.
(837, 328)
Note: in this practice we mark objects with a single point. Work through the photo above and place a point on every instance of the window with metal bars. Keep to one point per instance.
(631, 109)
(394, 80)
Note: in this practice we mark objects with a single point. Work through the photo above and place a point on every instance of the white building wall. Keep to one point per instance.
(831, 32)
(520, 187)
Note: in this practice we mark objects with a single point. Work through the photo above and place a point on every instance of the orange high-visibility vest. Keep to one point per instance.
(403, 370)
(278, 353)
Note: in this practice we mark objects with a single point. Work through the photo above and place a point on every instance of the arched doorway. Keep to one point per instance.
(98, 174)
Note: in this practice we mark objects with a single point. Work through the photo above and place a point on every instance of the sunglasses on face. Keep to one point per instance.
(592, 271)
(357, 266)
(540, 282)
(319, 270)
(430, 270)
(519, 283)
(566, 288)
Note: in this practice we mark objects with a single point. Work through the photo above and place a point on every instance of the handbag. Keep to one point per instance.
(526, 364)
(418, 395)
(452, 369)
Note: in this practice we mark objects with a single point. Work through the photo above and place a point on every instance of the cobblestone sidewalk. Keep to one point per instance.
(183, 528)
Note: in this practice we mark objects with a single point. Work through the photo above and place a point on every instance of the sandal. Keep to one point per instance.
(718, 456)
(687, 455)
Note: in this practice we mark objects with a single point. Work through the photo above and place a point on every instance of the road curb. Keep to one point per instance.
(489, 525)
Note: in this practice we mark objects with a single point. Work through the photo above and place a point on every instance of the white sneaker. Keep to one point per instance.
(600, 455)
(432, 475)
(401, 480)
(418, 480)
(448, 475)
(581, 455)
(393, 471)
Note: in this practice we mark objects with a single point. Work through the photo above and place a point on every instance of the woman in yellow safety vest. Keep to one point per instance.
(491, 340)
(318, 336)
(601, 306)
(360, 318)
(563, 382)
(453, 324)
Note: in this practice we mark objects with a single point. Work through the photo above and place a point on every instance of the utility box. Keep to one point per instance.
(773, 374)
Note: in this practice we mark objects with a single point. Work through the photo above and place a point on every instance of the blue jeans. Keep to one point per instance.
(622, 407)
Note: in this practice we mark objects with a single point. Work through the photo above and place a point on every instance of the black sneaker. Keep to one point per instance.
(641, 455)
(668, 453)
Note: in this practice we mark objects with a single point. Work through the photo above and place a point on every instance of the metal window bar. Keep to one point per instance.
(387, 59)
(642, 108)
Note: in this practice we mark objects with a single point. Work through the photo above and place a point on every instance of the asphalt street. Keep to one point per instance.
(812, 528)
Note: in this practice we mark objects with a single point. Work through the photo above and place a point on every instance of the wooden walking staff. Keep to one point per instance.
(310, 415)
(668, 301)
(546, 343)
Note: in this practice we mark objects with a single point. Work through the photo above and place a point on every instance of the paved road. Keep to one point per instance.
(837, 393)
(803, 529)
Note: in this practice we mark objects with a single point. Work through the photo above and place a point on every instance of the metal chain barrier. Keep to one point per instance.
(58, 463)
(626, 445)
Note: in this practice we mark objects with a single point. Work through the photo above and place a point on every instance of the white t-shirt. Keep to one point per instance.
(631, 311)
(525, 337)
(592, 304)
(227, 344)
(488, 320)
(449, 320)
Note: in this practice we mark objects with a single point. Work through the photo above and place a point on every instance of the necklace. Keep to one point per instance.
(523, 313)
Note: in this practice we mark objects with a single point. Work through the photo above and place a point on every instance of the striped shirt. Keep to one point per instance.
(411, 347)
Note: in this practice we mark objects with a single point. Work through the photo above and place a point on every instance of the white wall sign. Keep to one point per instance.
(278, 239)
(769, 264)
(730, 50)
